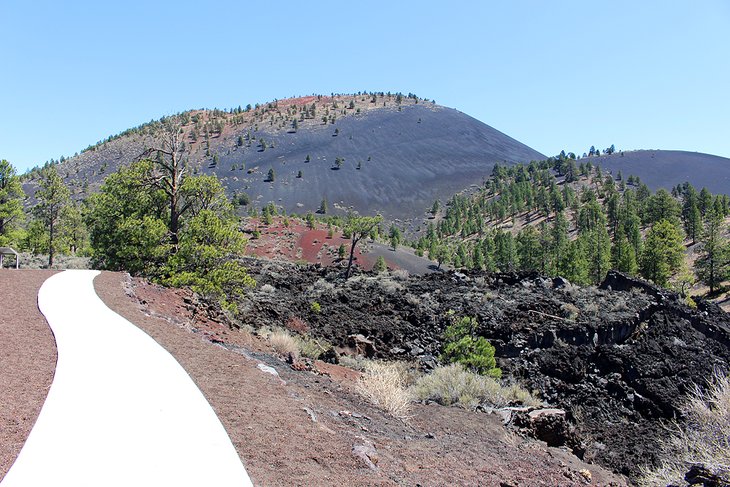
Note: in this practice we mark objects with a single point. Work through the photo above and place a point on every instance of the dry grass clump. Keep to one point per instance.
(357, 362)
(400, 274)
(267, 288)
(385, 385)
(286, 344)
(322, 287)
(703, 439)
(570, 311)
(389, 286)
(283, 343)
(454, 385)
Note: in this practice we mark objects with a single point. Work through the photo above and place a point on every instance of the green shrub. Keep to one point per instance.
(316, 307)
(476, 354)
(311, 347)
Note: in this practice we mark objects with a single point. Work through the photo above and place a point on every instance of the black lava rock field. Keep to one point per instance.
(618, 358)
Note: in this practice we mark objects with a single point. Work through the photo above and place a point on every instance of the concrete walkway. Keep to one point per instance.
(121, 411)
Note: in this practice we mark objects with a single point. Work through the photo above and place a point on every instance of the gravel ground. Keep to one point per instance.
(27, 359)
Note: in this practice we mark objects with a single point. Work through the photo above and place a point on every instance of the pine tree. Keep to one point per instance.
(380, 265)
(558, 242)
(573, 264)
(713, 266)
(395, 237)
(11, 202)
(359, 227)
(505, 253)
(691, 216)
(662, 206)
(623, 254)
(597, 246)
(705, 201)
(529, 250)
(477, 257)
(53, 196)
(662, 253)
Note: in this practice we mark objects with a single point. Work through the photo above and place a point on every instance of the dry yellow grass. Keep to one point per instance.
(453, 385)
(283, 343)
(704, 438)
(384, 385)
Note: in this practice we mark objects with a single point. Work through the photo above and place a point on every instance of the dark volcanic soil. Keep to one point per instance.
(617, 359)
(667, 168)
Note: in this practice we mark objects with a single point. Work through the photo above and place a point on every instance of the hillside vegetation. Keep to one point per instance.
(569, 218)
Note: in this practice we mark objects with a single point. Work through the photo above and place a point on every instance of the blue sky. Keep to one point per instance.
(554, 75)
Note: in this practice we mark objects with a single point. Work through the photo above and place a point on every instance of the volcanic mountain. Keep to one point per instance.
(374, 153)
(667, 168)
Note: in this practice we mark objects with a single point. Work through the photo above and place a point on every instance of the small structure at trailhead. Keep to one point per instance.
(8, 252)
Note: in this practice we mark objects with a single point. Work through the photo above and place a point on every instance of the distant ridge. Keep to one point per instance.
(667, 168)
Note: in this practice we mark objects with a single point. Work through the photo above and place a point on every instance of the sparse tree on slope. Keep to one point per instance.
(358, 227)
(380, 265)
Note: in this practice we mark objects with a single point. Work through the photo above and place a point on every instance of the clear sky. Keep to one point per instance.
(651, 74)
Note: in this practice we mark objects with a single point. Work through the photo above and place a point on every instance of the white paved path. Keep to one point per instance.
(121, 411)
